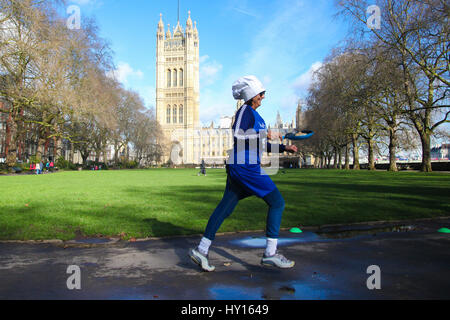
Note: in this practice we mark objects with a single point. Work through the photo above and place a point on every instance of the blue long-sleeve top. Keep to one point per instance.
(250, 140)
(250, 137)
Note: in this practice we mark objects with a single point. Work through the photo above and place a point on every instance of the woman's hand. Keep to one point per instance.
(271, 135)
(291, 148)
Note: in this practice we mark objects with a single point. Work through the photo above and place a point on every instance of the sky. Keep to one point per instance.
(280, 41)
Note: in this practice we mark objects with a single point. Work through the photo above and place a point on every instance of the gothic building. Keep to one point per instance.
(178, 101)
(178, 86)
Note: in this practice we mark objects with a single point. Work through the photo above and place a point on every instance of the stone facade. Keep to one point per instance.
(178, 87)
(178, 101)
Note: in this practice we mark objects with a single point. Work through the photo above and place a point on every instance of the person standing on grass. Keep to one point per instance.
(202, 168)
(245, 177)
(32, 167)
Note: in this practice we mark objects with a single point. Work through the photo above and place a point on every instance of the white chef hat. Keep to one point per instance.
(246, 88)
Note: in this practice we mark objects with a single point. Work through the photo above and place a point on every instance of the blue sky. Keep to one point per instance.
(279, 41)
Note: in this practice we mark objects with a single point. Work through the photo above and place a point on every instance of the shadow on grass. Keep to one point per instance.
(338, 202)
(121, 221)
(411, 189)
(185, 209)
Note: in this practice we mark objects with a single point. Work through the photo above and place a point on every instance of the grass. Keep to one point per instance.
(164, 202)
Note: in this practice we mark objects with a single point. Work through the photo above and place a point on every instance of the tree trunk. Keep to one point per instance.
(8, 134)
(335, 163)
(347, 157)
(97, 155)
(57, 151)
(47, 141)
(355, 152)
(105, 155)
(317, 162)
(11, 152)
(85, 156)
(116, 153)
(426, 153)
(371, 163)
(392, 150)
(40, 149)
(340, 159)
(71, 152)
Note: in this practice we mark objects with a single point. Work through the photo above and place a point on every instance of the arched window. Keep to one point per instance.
(168, 78)
(175, 77)
(168, 114)
(175, 114)
(181, 77)
(181, 114)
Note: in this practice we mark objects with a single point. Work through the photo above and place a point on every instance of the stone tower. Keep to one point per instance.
(299, 121)
(178, 86)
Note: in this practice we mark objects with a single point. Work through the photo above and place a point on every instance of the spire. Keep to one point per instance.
(279, 123)
(168, 33)
(178, 32)
(189, 21)
(160, 24)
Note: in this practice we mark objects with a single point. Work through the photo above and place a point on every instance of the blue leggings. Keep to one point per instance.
(235, 192)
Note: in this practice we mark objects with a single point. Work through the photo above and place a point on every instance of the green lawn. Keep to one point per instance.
(162, 202)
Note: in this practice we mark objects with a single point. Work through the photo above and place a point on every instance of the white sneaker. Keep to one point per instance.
(201, 260)
(277, 260)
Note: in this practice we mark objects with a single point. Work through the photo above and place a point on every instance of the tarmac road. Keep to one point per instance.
(413, 261)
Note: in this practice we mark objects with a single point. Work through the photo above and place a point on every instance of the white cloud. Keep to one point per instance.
(203, 58)
(124, 71)
(302, 82)
(245, 12)
(274, 57)
(209, 70)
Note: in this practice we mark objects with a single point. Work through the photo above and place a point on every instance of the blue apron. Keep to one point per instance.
(249, 175)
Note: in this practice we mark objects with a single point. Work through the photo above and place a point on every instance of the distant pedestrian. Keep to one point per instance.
(38, 168)
(32, 167)
(41, 167)
(202, 168)
(52, 165)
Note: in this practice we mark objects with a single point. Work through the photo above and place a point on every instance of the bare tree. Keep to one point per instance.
(418, 32)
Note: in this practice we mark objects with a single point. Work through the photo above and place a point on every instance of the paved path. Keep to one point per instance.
(414, 264)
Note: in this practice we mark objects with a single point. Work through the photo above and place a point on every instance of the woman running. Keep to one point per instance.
(245, 177)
